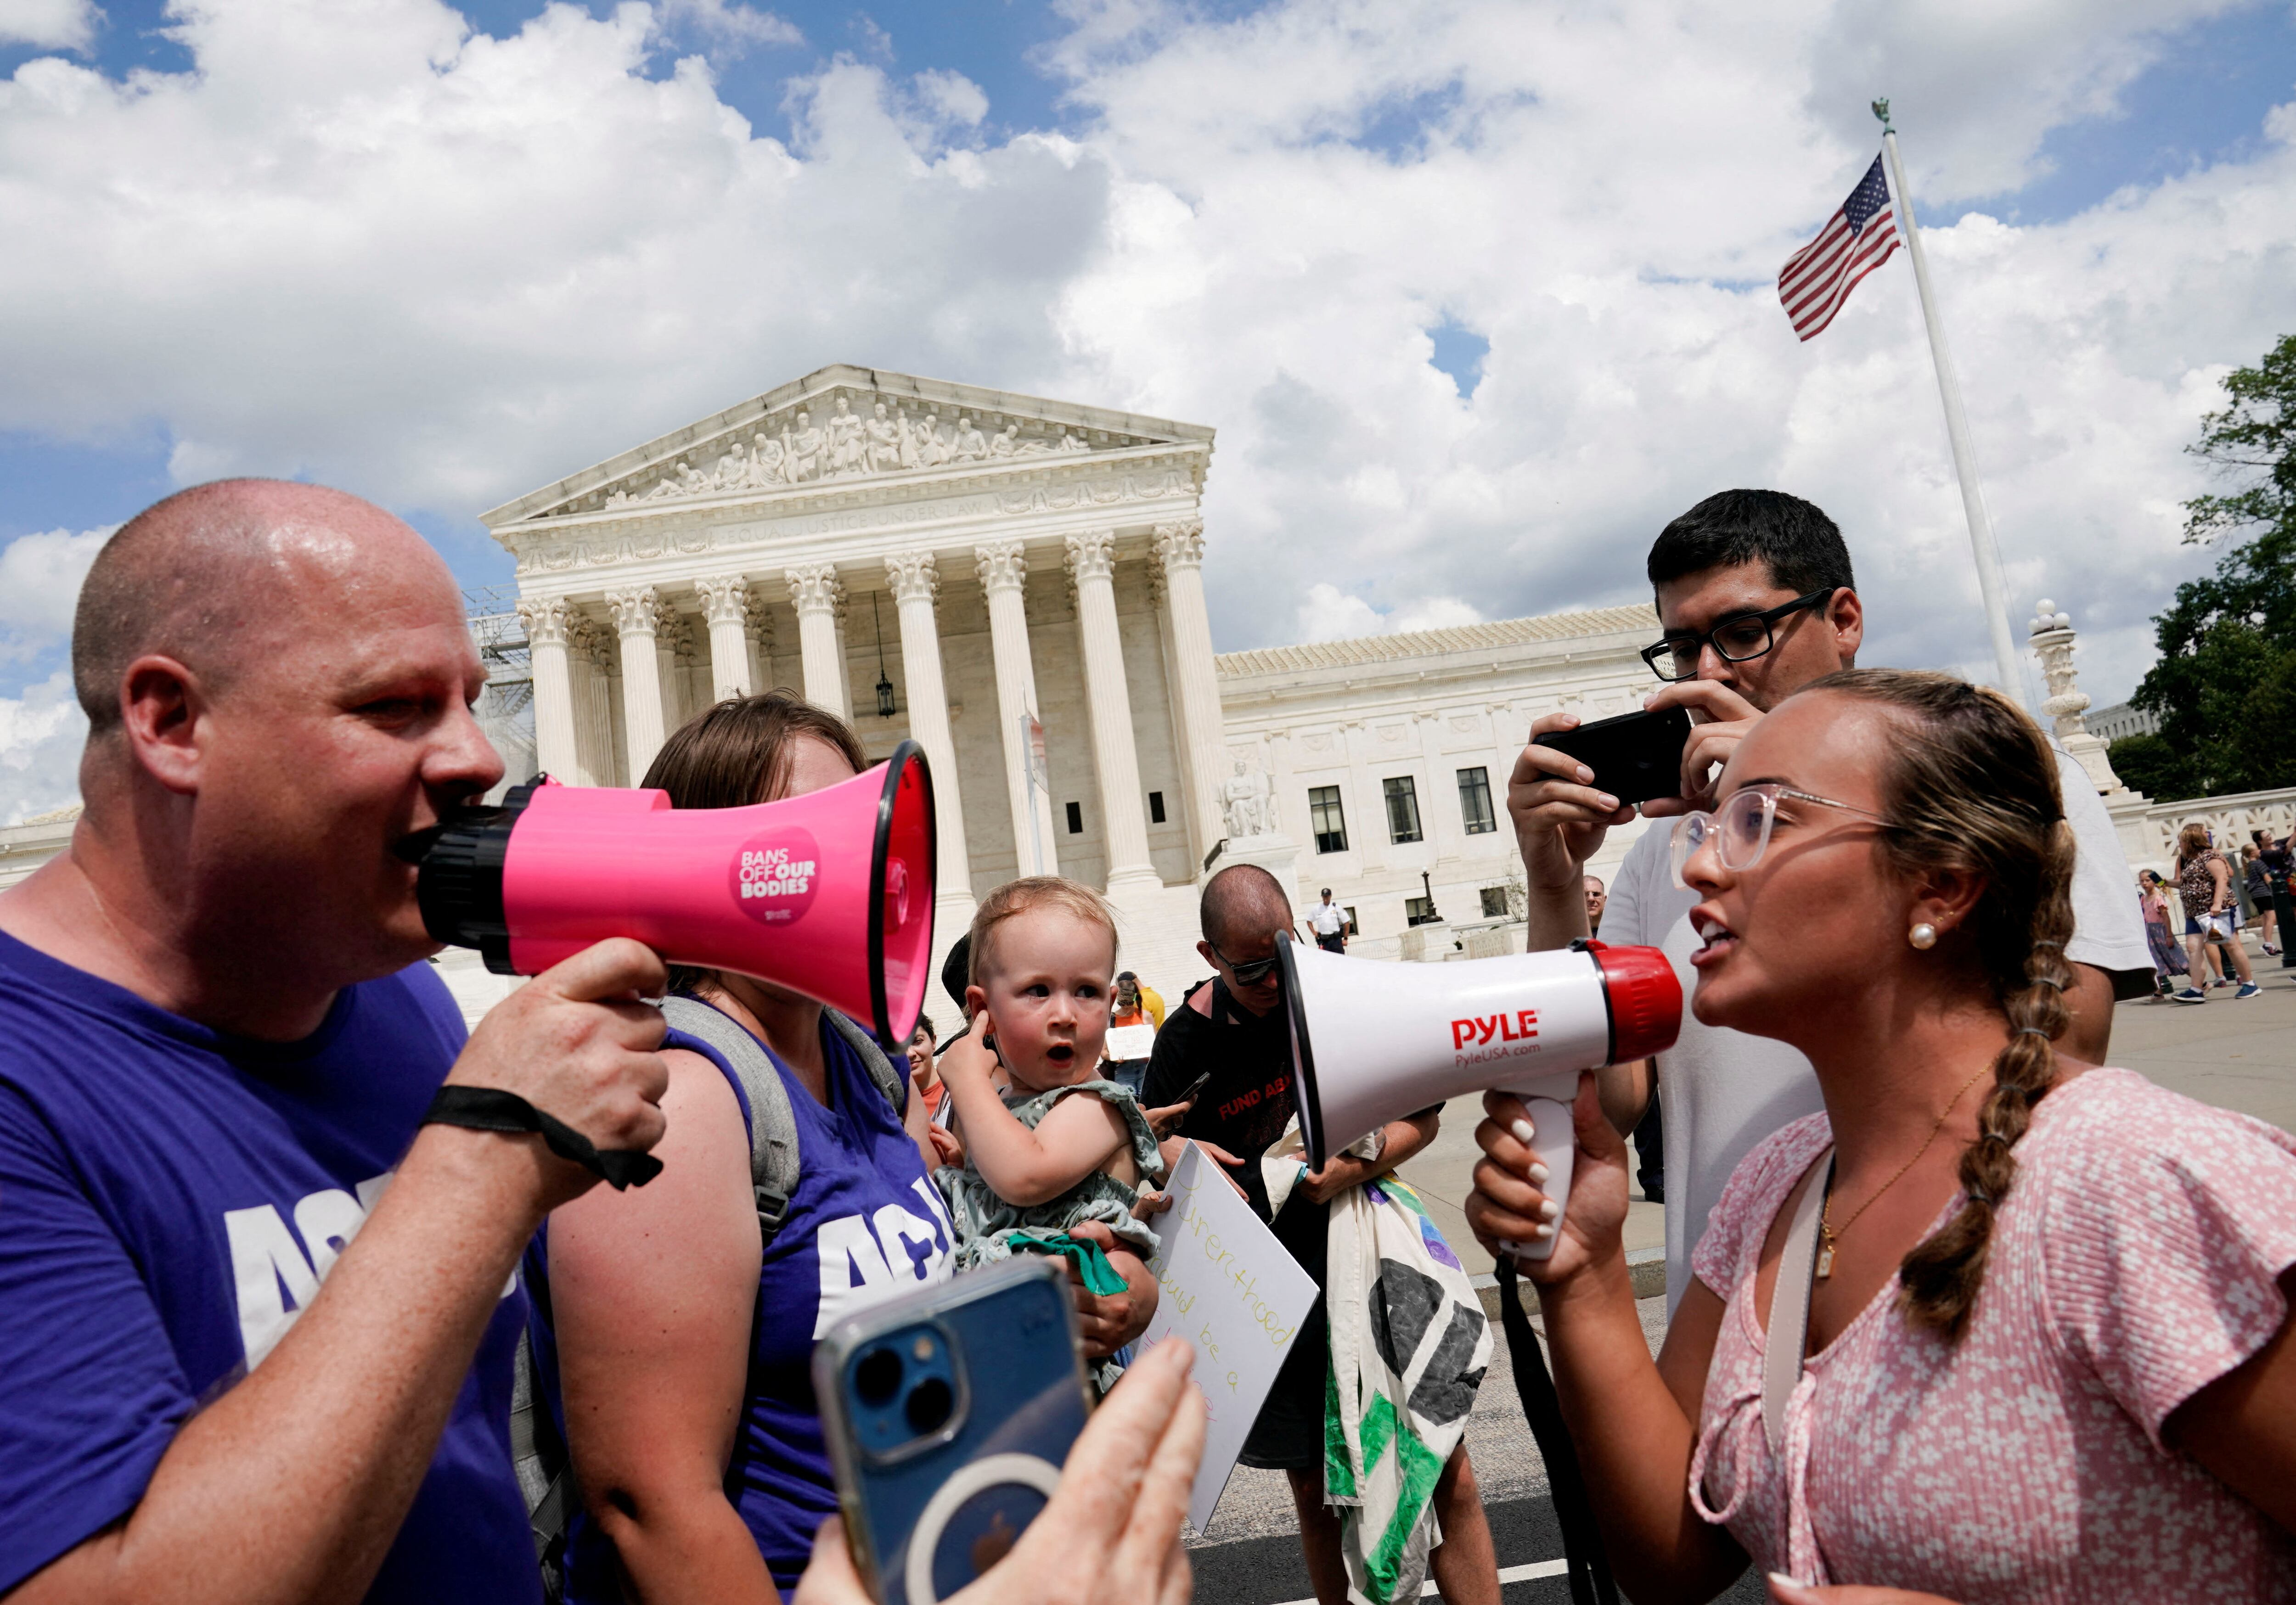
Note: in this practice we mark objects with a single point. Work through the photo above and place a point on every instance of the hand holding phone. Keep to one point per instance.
(1636, 757)
(1115, 1522)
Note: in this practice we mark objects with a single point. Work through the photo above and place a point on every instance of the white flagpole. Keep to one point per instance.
(1990, 585)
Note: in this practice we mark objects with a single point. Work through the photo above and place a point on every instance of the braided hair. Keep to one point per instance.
(1972, 784)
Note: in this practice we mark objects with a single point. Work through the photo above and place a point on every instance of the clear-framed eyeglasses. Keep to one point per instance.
(1740, 828)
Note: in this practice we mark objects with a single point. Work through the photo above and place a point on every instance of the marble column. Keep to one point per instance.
(590, 647)
(816, 591)
(1180, 549)
(668, 639)
(759, 639)
(1092, 564)
(914, 582)
(726, 604)
(636, 615)
(1004, 573)
(545, 618)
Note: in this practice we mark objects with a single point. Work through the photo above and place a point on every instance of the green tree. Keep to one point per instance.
(2226, 685)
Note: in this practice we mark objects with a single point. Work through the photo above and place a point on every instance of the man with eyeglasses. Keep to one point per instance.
(1235, 1030)
(1756, 600)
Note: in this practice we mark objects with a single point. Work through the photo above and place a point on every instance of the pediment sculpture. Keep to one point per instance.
(801, 446)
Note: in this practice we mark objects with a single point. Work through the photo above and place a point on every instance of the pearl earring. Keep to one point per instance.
(1923, 935)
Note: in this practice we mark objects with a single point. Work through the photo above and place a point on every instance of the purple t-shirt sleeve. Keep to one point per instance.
(94, 1394)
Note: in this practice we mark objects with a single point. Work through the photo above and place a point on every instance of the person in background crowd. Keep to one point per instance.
(1128, 1009)
(2277, 867)
(675, 1336)
(1756, 599)
(1329, 922)
(1597, 899)
(1233, 1029)
(2167, 957)
(2048, 1346)
(257, 1318)
(1151, 1002)
(923, 1076)
(2256, 893)
(2204, 883)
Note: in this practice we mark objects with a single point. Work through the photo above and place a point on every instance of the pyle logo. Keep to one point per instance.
(774, 876)
(1520, 1025)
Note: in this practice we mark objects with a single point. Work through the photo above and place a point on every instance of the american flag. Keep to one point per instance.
(1857, 240)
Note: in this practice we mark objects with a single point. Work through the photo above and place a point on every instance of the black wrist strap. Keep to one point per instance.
(489, 1109)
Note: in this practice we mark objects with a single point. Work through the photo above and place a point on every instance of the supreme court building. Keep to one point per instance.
(983, 572)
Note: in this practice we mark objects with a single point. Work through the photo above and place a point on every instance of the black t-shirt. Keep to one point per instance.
(1246, 1103)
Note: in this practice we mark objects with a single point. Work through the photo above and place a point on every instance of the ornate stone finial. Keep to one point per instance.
(2052, 632)
(1002, 566)
(914, 576)
(1092, 556)
(634, 611)
(1181, 545)
(725, 598)
(545, 618)
(815, 588)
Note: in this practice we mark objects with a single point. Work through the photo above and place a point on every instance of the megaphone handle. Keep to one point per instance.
(1555, 1143)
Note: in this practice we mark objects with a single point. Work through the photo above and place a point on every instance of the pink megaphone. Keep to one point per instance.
(829, 894)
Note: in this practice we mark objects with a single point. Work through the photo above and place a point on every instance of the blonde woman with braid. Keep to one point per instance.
(2048, 1355)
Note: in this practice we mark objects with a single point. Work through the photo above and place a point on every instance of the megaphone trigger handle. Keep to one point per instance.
(490, 1109)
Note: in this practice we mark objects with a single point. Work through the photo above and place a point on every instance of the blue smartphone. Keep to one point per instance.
(950, 1413)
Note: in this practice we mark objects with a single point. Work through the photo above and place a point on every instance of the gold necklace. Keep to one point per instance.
(1826, 1233)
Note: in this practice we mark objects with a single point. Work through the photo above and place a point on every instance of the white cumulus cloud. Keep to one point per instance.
(49, 24)
(41, 732)
(371, 245)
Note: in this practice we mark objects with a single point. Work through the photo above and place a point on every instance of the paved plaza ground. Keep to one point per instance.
(2237, 1055)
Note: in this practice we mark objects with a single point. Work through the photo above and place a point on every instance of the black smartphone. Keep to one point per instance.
(1636, 757)
(1195, 1087)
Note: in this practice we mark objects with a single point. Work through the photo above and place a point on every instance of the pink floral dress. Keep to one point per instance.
(2136, 1260)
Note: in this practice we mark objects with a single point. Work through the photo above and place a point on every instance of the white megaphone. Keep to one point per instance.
(1372, 1041)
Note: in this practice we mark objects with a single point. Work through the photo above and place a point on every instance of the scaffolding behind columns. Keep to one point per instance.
(2008, 665)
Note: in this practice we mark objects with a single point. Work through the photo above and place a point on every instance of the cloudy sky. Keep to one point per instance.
(1478, 293)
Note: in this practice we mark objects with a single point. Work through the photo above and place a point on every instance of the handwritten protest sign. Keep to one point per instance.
(1131, 1042)
(1230, 1288)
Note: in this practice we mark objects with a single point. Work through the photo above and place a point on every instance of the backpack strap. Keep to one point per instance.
(891, 1081)
(772, 1123)
(546, 1472)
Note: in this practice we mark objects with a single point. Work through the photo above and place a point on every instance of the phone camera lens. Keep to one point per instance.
(878, 1376)
(929, 1404)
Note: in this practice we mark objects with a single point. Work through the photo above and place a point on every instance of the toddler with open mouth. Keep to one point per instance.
(1062, 1146)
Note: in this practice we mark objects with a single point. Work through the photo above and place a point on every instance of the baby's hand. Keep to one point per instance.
(1150, 1204)
(968, 1058)
(946, 1150)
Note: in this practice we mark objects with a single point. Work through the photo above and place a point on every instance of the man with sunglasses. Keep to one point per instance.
(1756, 599)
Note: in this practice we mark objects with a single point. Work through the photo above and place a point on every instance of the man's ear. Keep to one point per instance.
(1845, 615)
(1204, 949)
(162, 715)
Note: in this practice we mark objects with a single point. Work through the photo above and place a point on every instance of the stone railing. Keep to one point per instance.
(2148, 829)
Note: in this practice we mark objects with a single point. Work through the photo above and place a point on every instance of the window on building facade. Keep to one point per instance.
(1348, 909)
(1155, 808)
(1327, 819)
(1495, 902)
(1076, 819)
(1402, 809)
(1475, 801)
(1419, 911)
